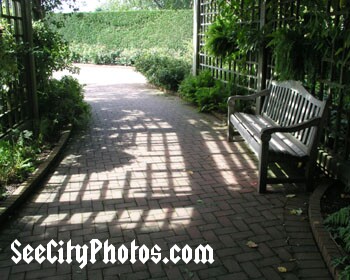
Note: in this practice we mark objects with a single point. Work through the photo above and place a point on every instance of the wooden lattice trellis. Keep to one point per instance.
(258, 66)
(245, 75)
(18, 105)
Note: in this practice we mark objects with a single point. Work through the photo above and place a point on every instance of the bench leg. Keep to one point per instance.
(309, 174)
(263, 165)
(230, 133)
(230, 130)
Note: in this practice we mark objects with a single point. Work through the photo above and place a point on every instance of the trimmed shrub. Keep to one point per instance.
(163, 71)
(205, 92)
(61, 103)
(190, 85)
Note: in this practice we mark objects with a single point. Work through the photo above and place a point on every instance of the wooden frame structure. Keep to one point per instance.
(18, 103)
(254, 71)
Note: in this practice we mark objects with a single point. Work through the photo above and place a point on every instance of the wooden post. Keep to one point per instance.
(30, 64)
(196, 27)
(262, 61)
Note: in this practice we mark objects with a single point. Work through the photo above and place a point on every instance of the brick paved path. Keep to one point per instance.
(151, 168)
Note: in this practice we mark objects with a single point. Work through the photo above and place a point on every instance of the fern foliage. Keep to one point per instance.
(221, 40)
(340, 218)
(338, 224)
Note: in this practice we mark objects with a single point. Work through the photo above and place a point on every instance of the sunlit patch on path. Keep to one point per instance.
(150, 168)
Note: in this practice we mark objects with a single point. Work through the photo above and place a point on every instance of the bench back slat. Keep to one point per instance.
(288, 117)
(289, 104)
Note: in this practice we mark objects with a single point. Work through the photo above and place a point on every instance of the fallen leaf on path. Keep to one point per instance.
(252, 244)
(297, 212)
(290, 195)
(282, 269)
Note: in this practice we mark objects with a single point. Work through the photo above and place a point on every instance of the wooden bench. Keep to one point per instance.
(286, 128)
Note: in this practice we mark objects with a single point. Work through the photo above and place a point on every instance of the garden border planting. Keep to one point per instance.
(12, 202)
(327, 246)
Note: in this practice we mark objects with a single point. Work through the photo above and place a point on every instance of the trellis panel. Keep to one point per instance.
(258, 67)
(16, 98)
(244, 72)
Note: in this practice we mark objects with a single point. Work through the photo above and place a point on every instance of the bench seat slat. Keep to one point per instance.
(287, 107)
(281, 144)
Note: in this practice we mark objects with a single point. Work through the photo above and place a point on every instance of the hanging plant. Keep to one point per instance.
(231, 36)
(221, 38)
(230, 39)
(288, 50)
(297, 52)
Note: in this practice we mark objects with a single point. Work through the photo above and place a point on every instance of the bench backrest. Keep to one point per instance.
(289, 103)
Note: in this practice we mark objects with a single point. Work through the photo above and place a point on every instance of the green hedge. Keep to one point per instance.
(117, 37)
(163, 70)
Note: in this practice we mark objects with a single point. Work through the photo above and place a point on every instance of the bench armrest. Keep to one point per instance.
(265, 134)
(231, 100)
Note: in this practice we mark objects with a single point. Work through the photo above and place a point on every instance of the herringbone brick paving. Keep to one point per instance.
(150, 168)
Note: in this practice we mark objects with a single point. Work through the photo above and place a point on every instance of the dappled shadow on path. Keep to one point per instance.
(153, 170)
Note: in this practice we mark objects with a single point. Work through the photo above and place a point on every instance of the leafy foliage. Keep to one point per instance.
(51, 52)
(340, 218)
(298, 48)
(17, 158)
(289, 53)
(9, 72)
(162, 70)
(344, 264)
(222, 39)
(207, 93)
(300, 45)
(338, 224)
(212, 98)
(41, 7)
(189, 86)
(117, 37)
(231, 35)
(8, 59)
(61, 102)
(117, 5)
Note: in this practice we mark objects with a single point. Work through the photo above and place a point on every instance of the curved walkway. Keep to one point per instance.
(152, 169)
